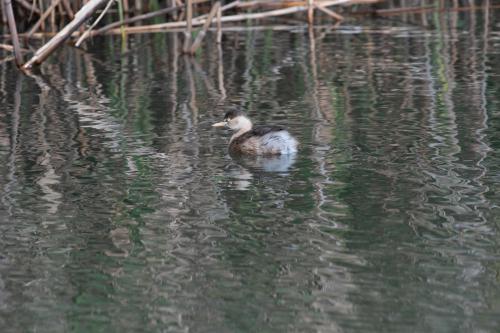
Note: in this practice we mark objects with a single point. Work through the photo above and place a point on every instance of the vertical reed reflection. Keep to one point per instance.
(50, 179)
(11, 183)
(220, 73)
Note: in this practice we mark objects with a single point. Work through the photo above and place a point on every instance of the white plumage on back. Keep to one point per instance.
(280, 141)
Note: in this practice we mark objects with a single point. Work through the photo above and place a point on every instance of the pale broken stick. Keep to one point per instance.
(203, 31)
(87, 33)
(80, 17)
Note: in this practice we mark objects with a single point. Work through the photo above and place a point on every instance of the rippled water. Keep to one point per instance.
(120, 209)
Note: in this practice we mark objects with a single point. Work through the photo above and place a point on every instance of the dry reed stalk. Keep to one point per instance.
(87, 33)
(288, 4)
(2, 8)
(265, 3)
(60, 10)
(7, 59)
(310, 12)
(360, 2)
(138, 6)
(171, 4)
(53, 18)
(203, 31)
(79, 4)
(181, 16)
(231, 18)
(427, 9)
(31, 7)
(329, 12)
(233, 4)
(13, 32)
(11, 48)
(189, 26)
(80, 17)
(144, 17)
(41, 8)
(196, 22)
(219, 26)
(278, 27)
(68, 9)
(135, 19)
(328, 3)
(43, 17)
(194, 2)
(122, 17)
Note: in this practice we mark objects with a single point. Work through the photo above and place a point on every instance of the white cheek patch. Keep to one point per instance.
(234, 123)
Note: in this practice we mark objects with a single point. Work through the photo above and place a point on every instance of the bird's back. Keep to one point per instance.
(265, 140)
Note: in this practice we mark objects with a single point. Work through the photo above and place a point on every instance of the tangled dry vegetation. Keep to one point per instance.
(60, 21)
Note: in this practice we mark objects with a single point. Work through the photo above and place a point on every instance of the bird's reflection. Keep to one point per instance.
(245, 168)
(280, 164)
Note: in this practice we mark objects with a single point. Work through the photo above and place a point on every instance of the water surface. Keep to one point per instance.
(121, 211)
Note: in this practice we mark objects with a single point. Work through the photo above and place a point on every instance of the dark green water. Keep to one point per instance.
(120, 210)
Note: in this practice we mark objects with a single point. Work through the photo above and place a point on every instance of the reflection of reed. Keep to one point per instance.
(190, 113)
(480, 84)
(174, 56)
(329, 280)
(207, 80)
(49, 178)
(220, 73)
(318, 138)
(3, 79)
(484, 148)
(247, 87)
(11, 184)
(451, 146)
(450, 203)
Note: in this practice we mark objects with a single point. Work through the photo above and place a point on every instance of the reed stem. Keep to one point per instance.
(136, 18)
(80, 17)
(68, 9)
(329, 12)
(9, 13)
(43, 17)
(2, 8)
(122, 27)
(310, 12)
(219, 25)
(203, 31)
(31, 7)
(87, 33)
(189, 26)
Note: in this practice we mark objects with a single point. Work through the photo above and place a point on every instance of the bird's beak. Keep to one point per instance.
(221, 124)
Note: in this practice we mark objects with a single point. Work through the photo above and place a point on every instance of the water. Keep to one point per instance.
(121, 211)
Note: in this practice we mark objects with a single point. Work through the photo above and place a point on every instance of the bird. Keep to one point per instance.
(258, 140)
